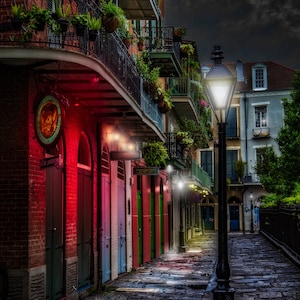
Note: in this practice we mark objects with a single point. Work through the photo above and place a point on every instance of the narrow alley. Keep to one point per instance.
(258, 271)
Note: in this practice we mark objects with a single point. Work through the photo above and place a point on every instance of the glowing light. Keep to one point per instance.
(95, 79)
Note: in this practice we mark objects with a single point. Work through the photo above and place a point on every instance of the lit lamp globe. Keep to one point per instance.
(219, 85)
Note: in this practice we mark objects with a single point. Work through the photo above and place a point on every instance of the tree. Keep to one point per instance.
(289, 139)
(267, 167)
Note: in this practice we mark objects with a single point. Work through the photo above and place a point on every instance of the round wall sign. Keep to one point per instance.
(48, 121)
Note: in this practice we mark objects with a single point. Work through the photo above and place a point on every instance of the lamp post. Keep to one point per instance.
(219, 86)
(251, 222)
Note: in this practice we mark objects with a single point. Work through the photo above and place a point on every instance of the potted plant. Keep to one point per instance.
(155, 154)
(80, 22)
(239, 168)
(152, 79)
(94, 25)
(167, 104)
(63, 15)
(17, 12)
(38, 18)
(187, 142)
(180, 135)
(113, 16)
(186, 49)
(141, 43)
(126, 37)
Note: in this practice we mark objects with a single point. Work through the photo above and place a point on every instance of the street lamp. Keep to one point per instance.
(251, 223)
(219, 86)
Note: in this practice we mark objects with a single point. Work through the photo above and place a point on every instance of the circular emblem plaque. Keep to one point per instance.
(48, 120)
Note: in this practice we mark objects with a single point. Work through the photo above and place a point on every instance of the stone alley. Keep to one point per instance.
(258, 271)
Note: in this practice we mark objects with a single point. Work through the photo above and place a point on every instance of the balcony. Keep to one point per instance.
(185, 104)
(163, 51)
(176, 151)
(97, 75)
(140, 9)
(194, 174)
(262, 132)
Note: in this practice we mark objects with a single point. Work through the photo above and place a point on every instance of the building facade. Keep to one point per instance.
(254, 120)
(76, 206)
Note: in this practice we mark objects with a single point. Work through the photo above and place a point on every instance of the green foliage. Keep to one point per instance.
(111, 9)
(63, 12)
(148, 74)
(39, 14)
(270, 200)
(187, 48)
(239, 168)
(16, 10)
(294, 199)
(269, 170)
(200, 132)
(81, 19)
(281, 175)
(289, 139)
(93, 22)
(155, 154)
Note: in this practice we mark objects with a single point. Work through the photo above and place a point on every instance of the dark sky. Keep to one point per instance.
(249, 30)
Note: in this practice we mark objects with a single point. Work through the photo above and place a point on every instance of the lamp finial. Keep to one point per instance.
(217, 55)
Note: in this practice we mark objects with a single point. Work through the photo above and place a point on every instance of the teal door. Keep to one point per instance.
(140, 226)
(106, 232)
(208, 217)
(54, 231)
(122, 264)
(234, 215)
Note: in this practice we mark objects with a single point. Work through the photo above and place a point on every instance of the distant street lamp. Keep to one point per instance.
(219, 86)
(251, 223)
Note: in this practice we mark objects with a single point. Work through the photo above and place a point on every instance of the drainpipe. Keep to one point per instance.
(246, 131)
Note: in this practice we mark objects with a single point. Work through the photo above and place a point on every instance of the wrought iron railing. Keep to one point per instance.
(285, 232)
(182, 87)
(175, 150)
(160, 39)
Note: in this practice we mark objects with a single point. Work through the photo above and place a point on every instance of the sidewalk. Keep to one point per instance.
(258, 271)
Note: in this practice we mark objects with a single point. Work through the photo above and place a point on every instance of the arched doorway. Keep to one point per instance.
(84, 212)
(105, 215)
(208, 213)
(122, 265)
(234, 205)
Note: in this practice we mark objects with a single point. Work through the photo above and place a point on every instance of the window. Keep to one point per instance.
(232, 122)
(261, 116)
(206, 162)
(259, 77)
(231, 158)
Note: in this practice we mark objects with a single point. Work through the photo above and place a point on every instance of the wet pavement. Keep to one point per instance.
(258, 271)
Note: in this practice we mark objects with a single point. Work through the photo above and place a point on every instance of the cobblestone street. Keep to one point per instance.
(258, 271)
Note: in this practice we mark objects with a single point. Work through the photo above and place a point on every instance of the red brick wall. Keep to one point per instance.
(13, 168)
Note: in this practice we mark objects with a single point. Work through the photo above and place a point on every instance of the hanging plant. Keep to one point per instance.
(94, 25)
(186, 50)
(38, 18)
(113, 16)
(155, 154)
(80, 22)
(18, 16)
(63, 15)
